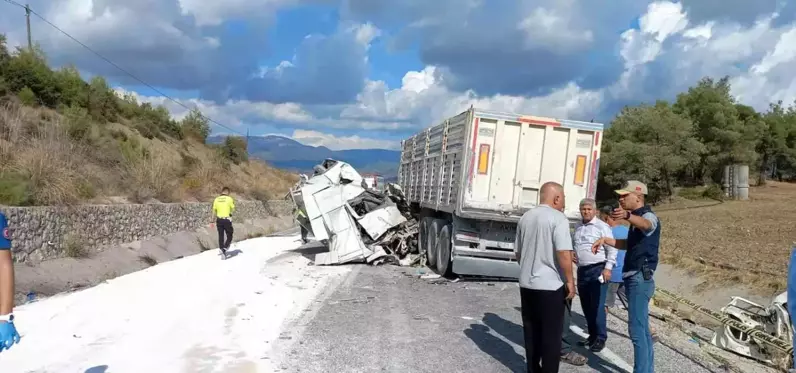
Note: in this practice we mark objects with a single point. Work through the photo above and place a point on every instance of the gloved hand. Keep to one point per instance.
(8, 335)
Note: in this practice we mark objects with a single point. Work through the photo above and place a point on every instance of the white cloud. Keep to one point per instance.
(316, 138)
(669, 53)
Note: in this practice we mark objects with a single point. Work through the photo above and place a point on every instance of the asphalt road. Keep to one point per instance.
(386, 319)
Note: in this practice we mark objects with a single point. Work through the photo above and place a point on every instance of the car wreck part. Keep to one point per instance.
(360, 224)
(749, 329)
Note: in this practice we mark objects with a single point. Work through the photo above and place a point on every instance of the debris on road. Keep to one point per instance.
(765, 333)
(359, 224)
(748, 329)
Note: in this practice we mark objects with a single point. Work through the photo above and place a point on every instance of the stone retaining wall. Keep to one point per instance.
(41, 233)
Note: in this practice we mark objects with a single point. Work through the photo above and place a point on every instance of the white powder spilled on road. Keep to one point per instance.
(197, 314)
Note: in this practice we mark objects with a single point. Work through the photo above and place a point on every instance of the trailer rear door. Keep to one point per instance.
(512, 156)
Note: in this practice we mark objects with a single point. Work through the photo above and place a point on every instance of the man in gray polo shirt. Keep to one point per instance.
(543, 247)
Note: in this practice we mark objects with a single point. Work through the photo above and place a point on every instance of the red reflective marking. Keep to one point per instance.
(596, 138)
(539, 122)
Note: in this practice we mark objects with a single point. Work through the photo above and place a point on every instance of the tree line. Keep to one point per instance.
(26, 76)
(688, 142)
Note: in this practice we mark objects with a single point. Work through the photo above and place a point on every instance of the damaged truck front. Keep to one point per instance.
(357, 222)
(470, 178)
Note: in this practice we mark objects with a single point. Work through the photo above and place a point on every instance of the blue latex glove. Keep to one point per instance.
(8, 335)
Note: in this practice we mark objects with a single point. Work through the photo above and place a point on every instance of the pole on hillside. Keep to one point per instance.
(247, 140)
(27, 20)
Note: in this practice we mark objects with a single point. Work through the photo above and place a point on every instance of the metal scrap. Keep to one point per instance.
(358, 223)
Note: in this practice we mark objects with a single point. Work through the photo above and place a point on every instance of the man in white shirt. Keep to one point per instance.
(594, 272)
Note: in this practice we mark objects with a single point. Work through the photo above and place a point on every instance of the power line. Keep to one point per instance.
(12, 2)
(120, 68)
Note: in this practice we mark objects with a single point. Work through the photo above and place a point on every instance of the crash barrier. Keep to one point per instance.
(759, 336)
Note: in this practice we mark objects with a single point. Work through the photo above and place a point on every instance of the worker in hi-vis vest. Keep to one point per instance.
(223, 207)
(8, 332)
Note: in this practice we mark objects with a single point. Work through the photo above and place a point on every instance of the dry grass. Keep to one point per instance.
(40, 164)
(735, 242)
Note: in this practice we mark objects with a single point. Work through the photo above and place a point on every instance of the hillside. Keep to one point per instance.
(291, 155)
(66, 141)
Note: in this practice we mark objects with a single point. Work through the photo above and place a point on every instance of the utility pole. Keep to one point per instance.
(247, 140)
(27, 19)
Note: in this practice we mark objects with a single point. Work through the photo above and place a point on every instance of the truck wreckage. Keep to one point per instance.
(358, 223)
(758, 332)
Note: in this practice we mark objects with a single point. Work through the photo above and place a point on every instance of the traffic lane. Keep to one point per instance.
(384, 319)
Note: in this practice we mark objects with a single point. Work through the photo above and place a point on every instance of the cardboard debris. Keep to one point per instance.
(358, 224)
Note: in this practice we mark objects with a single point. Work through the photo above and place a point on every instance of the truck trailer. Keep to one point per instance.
(470, 178)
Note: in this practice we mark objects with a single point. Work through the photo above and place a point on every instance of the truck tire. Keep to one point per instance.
(422, 236)
(432, 232)
(444, 251)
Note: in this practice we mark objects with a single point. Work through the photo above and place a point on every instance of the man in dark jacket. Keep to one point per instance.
(641, 261)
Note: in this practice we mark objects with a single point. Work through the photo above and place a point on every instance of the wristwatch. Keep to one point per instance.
(627, 215)
(7, 318)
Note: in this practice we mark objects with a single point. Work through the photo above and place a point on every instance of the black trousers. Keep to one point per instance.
(224, 226)
(543, 327)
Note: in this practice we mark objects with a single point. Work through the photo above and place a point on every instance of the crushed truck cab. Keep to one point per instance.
(470, 178)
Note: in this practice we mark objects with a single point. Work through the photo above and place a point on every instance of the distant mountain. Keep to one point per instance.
(292, 155)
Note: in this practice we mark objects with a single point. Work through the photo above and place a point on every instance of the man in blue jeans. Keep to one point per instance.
(641, 260)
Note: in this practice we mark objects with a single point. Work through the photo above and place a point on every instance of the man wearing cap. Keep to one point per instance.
(641, 260)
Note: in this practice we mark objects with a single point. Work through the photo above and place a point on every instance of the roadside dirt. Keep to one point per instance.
(734, 243)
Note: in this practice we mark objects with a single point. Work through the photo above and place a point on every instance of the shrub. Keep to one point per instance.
(15, 189)
(27, 97)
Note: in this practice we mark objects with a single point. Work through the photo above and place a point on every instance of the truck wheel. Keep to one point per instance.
(422, 236)
(444, 251)
(431, 243)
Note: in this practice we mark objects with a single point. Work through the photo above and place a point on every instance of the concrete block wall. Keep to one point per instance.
(40, 233)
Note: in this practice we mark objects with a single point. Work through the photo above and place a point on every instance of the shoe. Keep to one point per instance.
(223, 254)
(585, 343)
(597, 346)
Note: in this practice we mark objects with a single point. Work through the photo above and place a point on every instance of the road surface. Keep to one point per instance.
(267, 310)
(386, 319)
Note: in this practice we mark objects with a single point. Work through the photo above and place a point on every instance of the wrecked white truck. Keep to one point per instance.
(358, 223)
(469, 179)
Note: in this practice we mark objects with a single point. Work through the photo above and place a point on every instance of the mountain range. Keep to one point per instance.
(291, 155)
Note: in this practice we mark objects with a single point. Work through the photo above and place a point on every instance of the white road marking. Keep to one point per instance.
(606, 353)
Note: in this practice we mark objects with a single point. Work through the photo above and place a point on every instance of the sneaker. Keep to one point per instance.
(585, 343)
(223, 254)
(597, 346)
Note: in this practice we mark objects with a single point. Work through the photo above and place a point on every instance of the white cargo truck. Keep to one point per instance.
(470, 178)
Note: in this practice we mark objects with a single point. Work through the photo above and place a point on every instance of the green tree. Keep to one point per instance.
(74, 90)
(234, 149)
(717, 125)
(195, 125)
(29, 69)
(650, 143)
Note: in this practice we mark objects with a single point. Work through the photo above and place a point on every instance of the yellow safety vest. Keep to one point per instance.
(223, 206)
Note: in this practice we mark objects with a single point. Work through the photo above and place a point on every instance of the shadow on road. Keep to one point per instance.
(97, 369)
(310, 249)
(505, 353)
(501, 351)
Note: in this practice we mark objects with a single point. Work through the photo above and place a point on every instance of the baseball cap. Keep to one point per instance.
(632, 186)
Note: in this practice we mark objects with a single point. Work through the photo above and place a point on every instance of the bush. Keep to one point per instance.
(712, 191)
(234, 149)
(78, 124)
(27, 97)
(15, 189)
